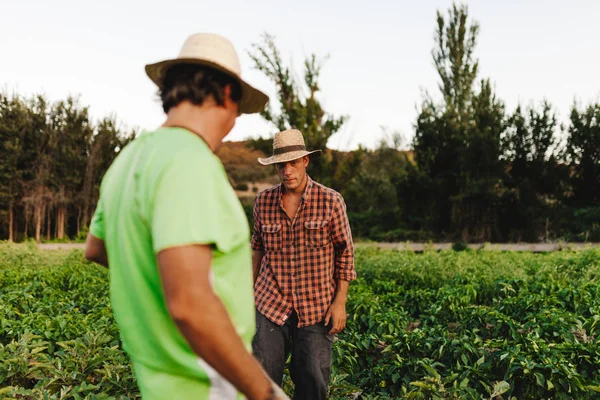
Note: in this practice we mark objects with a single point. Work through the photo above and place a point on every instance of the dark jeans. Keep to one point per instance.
(311, 354)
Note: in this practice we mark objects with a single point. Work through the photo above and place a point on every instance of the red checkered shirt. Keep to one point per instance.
(303, 258)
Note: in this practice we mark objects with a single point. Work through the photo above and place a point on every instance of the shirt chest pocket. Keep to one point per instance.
(272, 237)
(316, 233)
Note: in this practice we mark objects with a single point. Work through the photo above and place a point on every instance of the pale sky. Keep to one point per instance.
(380, 53)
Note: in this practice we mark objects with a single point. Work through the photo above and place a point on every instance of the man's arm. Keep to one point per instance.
(337, 311)
(344, 272)
(257, 246)
(257, 256)
(95, 250)
(203, 320)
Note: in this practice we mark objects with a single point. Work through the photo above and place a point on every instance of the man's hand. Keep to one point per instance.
(278, 393)
(337, 315)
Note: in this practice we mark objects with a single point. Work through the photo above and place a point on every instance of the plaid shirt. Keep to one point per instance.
(303, 258)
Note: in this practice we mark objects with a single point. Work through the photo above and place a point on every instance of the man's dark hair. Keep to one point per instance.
(195, 83)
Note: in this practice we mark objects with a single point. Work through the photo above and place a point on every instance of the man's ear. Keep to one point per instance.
(306, 161)
(227, 101)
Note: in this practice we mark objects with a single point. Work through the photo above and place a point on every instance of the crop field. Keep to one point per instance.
(457, 325)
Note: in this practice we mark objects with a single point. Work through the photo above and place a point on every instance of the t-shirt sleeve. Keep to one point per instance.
(97, 225)
(188, 207)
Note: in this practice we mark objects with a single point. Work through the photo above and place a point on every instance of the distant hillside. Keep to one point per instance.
(247, 176)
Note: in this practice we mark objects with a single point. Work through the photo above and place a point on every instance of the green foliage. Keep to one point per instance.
(241, 186)
(472, 325)
(536, 182)
(58, 338)
(583, 152)
(457, 325)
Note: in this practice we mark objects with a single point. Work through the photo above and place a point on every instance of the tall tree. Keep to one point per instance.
(39, 140)
(457, 141)
(298, 104)
(454, 60)
(474, 208)
(583, 152)
(103, 148)
(535, 178)
(73, 133)
(13, 124)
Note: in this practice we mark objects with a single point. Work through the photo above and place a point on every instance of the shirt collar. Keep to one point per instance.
(307, 190)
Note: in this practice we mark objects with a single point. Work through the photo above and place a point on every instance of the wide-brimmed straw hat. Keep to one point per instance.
(217, 52)
(287, 146)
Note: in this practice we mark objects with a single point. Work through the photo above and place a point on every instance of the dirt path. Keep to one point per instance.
(532, 247)
(417, 247)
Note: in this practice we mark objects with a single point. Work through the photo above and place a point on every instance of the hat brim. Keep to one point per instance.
(286, 157)
(252, 101)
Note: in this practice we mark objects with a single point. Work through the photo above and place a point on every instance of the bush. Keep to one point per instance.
(243, 187)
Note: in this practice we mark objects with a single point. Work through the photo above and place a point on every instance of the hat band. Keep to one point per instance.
(288, 149)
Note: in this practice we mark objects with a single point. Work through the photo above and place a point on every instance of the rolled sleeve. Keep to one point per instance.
(341, 237)
(256, 242)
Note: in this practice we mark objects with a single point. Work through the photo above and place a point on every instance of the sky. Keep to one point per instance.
(379, 54)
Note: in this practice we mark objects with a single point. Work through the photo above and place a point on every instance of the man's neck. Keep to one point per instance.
(299, 191)
(199, 120)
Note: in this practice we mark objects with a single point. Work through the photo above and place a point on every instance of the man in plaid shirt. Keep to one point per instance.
(303, 263)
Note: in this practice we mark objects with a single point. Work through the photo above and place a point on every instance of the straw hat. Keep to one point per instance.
(217, 52)
(287, 146)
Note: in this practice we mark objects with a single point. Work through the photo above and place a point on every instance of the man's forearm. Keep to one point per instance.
(257, 257)
(341, 293)
(212, 336)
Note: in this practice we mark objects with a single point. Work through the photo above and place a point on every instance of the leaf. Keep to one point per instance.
(500, 388)
(594, 388)
(541, 381)
(464, 359)
(38, 349)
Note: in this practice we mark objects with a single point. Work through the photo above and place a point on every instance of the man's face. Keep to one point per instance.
(292, 173)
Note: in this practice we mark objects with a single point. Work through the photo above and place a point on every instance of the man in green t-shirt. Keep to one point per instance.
(176, 238)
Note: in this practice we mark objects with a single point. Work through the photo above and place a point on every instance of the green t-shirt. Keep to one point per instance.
(168, 189)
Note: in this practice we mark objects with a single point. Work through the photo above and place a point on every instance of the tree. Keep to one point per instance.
(457, 142)
(474, 208)
(103, 148)
(298, 104)
(583, 154)
(454, 60)
(73, 133)
(36, 164)
(368, 180)
(13, 124)
(535, 179)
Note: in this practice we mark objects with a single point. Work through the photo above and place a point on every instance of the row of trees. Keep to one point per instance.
(476, 172)
(53, 159)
